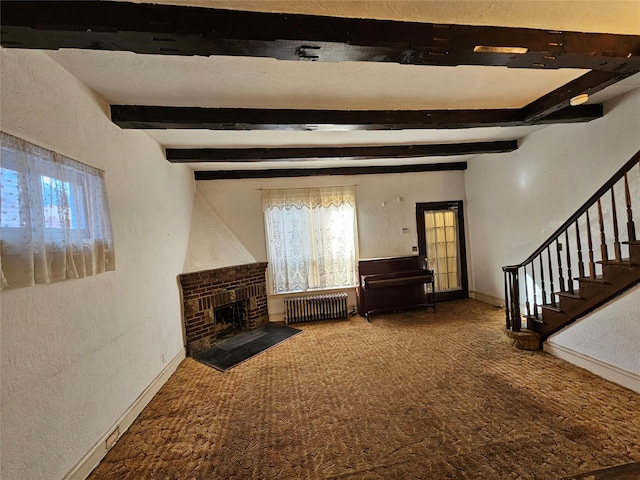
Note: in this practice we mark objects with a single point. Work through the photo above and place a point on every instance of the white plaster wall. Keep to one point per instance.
(517, 200)
(605, 333)
(212, 244)
(380, 227)
(76, 354)
(236, 205)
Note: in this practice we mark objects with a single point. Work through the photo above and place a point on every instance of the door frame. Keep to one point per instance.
(421, 208)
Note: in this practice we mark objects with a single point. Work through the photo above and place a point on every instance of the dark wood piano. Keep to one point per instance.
(394, 284)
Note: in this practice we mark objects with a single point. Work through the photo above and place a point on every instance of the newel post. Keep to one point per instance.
(512, 298)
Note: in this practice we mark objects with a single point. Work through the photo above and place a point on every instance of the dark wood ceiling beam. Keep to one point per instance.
(315, 172)
(189, 155)
(182, 30)
(560, 98)
(153, 117)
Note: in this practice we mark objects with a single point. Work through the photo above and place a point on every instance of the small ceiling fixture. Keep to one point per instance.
(488, 49)
(579, 99)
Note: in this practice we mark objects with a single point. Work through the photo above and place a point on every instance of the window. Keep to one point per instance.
(62, 203)
(311, 238)
(54, 217)
(9, 192)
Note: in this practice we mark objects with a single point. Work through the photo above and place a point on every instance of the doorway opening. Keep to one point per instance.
(441, 240)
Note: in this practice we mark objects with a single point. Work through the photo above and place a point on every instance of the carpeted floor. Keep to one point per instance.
(415, 395)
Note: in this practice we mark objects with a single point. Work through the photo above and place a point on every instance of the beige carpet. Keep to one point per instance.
(416, 395)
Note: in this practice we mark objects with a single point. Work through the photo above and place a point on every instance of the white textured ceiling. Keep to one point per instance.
(268, 83)
(605, 16)
(127, 78)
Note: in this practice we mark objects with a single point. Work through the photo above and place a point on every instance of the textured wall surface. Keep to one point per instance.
(211, 241)
(381, 214)
(517, 200)
(610, 334)
(76, 354)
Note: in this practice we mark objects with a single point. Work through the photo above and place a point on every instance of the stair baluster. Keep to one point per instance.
(535, 297)
(544, 292)
(616, 236)
(631, 228)
(526, 292)
(617, 276)
(579, 245)
(568, 252)
(603, 240)
(592, 264)
(559, 257)
(552, 296)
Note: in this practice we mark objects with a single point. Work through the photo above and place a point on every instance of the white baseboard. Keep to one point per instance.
(93, 457)
(276, 317)
(605, 370)
(491, 300)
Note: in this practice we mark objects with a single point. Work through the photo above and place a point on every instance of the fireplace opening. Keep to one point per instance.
(231, 317)
(222, 301)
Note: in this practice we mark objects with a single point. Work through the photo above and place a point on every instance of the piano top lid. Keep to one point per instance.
(382, 259)
(391, 265)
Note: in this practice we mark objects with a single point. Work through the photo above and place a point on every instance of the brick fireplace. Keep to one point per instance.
(217, 301)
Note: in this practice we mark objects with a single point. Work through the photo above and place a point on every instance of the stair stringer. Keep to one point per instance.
(617, 278)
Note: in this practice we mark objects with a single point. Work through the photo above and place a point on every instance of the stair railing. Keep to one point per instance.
(553, 264)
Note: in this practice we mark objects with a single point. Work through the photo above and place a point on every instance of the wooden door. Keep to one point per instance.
(441, 240)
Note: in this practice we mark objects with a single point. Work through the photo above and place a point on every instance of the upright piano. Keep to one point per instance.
(394, 284)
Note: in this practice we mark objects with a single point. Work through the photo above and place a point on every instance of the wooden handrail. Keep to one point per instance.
(588, 204)
(512, 272)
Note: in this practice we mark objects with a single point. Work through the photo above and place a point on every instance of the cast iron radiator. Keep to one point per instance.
(315, 307)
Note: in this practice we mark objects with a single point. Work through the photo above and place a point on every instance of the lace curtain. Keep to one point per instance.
(54, 217)
(311, 238)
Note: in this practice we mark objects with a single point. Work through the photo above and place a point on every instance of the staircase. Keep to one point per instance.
(594, 244)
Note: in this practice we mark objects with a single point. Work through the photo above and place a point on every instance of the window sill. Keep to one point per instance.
(312, 291)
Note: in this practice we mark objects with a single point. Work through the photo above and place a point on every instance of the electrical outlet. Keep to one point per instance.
(414, 249)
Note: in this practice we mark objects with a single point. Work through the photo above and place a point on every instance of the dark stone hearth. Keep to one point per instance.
(205, 292)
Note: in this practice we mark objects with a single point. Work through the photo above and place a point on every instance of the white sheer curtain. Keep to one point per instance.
(311, 238)
(54, 217)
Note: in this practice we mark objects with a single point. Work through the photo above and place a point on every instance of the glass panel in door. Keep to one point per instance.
(442, 248)
(440, 227)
